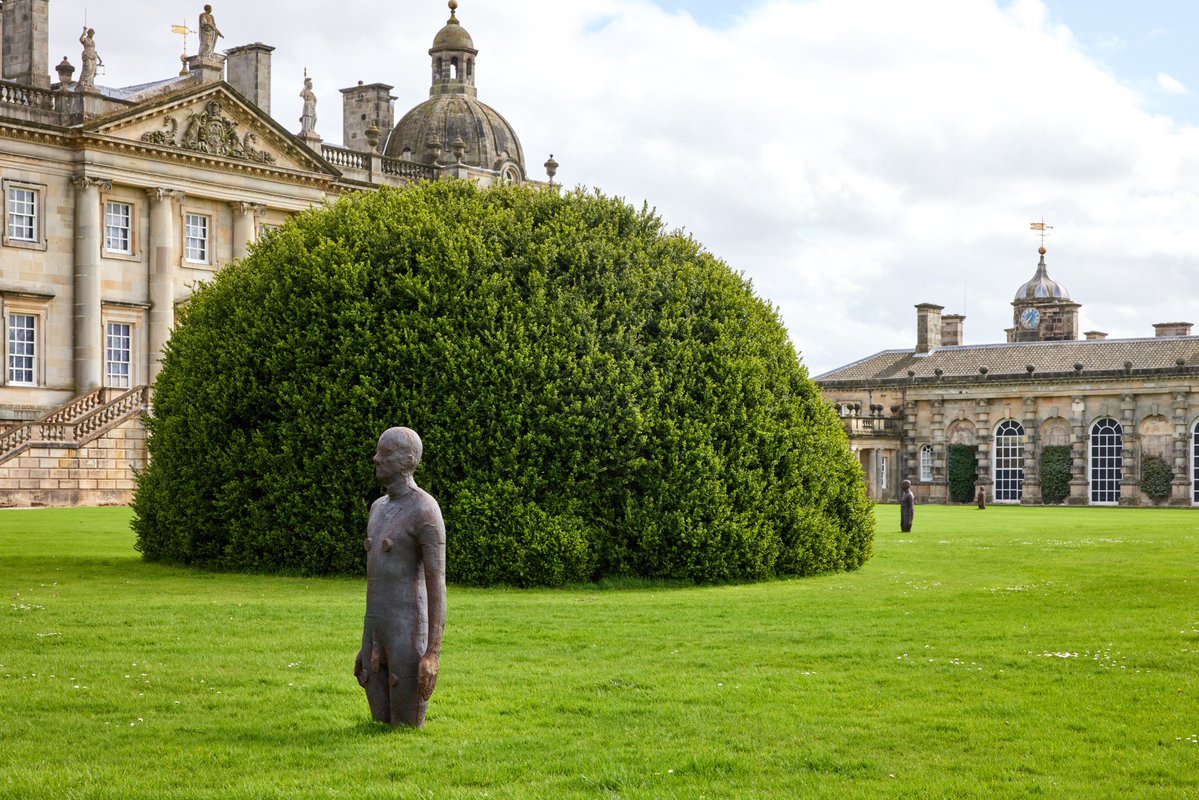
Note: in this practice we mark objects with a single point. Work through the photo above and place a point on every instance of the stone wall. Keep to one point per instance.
(100, 473)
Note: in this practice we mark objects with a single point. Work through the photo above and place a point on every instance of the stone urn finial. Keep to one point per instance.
(65, 70)
(433, 151)
(459, 149)
(373, 134)
(551, 167)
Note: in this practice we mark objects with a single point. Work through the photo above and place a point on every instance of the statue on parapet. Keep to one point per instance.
(405, 588)
(308, 115)
(91, 61)
(209, 33)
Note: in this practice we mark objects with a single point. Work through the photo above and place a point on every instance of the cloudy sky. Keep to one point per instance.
(851, 157)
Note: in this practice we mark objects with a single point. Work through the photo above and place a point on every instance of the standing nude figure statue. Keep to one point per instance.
(208, 32)
(405, 588)
(907, 507)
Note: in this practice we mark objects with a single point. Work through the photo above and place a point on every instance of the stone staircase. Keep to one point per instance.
(85, 453)
(78, 422)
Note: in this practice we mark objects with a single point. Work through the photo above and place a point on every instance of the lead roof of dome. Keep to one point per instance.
(1042, 287)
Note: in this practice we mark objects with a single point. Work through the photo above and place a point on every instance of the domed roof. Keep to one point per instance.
(1042, 287)
(453, 36)
(489, 139)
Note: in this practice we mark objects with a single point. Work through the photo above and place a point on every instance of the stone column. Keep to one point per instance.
(89, 349)
(163, 259)
(245, 226)
(1130, 482)
(1181, 492)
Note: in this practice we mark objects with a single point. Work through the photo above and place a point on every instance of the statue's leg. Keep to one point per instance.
(403, 661)
(372, 674)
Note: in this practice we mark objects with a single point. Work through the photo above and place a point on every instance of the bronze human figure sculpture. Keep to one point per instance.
(405, 588)
(907, 507)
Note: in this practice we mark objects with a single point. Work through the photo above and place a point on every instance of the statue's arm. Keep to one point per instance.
(432, 540)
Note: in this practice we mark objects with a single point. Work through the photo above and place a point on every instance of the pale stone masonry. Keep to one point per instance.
(117, 201)
(1114, 402)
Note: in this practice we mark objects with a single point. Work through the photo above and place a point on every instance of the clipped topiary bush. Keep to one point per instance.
(597, 397)
(962, 466)
(1056, 460)
(1156, 477)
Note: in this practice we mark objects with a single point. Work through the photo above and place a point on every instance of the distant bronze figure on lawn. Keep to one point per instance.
(982, 497)
(907, 507)
(405, 588)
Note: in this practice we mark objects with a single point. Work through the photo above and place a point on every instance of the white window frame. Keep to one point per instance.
(1195, 463)
(926, 463)
(201, 252)
(1105, 461)
(11, 313)
(1007, 460)
(112, 377)
(129, 217)
(15, 207)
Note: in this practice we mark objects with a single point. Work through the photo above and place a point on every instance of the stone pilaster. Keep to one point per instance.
(245, 226)
(163, 258)
(88, 345)
(1130, 475)
(1078, 453)
(1031, 492)
(1180, 493)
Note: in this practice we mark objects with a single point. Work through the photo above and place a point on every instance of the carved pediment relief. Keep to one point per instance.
(209, 131)
(212, 124)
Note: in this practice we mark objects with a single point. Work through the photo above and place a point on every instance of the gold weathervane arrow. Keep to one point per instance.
(1042, 229)
(183, 31)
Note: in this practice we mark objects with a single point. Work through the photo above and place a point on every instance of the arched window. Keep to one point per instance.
(1107, 461)
(1195, 464)
(1009, 462)
(926, 463)
(454, 68)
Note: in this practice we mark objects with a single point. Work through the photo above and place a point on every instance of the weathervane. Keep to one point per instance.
(183, 31)
(1042, 229)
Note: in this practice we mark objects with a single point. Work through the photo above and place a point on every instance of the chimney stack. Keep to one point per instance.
(26, 42)
(1172, 329)
(364, 106)
(952, 330)
(1094, 335)
(928, 327)
(249, 72)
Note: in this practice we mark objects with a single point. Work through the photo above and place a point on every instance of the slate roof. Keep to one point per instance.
(1009, 361)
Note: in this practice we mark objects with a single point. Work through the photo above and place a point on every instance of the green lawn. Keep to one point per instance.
(1012, 652)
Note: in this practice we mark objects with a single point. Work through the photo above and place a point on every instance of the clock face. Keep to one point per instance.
(1030, 318)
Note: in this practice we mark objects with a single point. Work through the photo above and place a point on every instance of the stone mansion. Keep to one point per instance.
(117, 200)
(1115, 403)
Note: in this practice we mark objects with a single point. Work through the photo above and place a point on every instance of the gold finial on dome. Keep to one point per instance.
(1042, 250)
(453, 9)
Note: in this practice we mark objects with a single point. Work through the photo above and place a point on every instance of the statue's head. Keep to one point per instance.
(207, 9)
(905, 485)
(398, 453)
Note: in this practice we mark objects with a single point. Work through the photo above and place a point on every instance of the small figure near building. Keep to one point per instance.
(405, 588)
(982, 497)
(907, 507)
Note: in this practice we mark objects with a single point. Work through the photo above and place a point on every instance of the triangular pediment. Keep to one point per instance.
(212, 121)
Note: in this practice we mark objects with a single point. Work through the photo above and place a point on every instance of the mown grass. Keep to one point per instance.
(1012, 652)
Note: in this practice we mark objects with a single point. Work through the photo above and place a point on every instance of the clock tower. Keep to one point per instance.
(1042, 310)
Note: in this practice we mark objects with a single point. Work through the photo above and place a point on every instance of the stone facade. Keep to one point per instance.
(117, 201)
(1114, 402)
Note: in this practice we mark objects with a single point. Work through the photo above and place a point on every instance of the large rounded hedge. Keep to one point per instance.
(596, 396)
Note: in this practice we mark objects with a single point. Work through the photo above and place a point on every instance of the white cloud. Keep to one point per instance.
(852, 157)
(1169, 84)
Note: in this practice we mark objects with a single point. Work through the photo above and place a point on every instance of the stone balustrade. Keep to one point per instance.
(76, 423)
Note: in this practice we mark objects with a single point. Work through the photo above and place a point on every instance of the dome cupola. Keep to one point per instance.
(452, 126)
(1042, 287)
